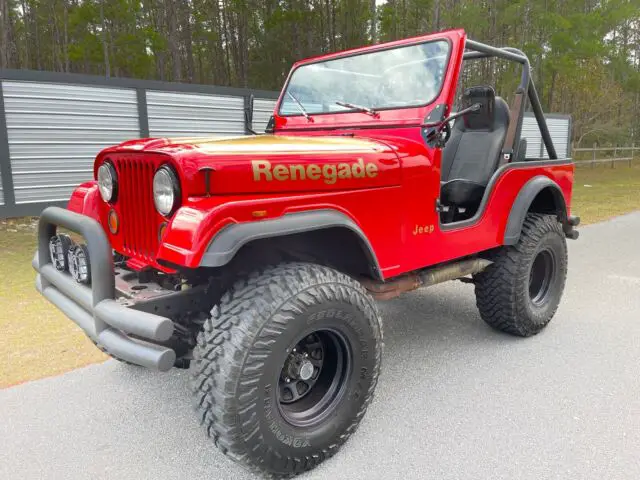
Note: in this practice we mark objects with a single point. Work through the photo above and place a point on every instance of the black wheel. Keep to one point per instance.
(286, 366)
(520, 292)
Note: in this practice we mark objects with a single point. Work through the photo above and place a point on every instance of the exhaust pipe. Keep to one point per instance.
(424, 278)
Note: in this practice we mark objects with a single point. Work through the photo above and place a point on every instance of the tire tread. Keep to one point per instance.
(499, 287)
(225, 373)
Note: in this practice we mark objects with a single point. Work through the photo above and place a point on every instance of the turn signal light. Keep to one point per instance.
(113, 221)
(161, 231)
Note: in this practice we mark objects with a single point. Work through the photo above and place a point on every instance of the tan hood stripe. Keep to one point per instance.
(274, 145)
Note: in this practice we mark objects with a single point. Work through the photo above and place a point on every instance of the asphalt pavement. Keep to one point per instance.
(456, 400)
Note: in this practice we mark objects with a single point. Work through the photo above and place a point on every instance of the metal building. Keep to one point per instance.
(52, 126)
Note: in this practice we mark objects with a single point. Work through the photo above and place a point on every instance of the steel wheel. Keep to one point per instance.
(313, 378)
(541, 276)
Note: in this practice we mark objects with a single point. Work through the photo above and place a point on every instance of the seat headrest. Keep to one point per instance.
(486, 97)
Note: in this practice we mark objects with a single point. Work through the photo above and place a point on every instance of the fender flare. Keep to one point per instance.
(226, 243)
(524, 200)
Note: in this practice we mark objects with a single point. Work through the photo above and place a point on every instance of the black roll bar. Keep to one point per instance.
(476, 50)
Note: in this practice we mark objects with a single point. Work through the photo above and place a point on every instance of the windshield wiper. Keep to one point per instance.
(300, 107)
(367, 110)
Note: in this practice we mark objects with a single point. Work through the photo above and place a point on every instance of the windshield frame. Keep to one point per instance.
(347, 54)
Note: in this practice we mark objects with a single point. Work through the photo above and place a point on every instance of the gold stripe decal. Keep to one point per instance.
(281, 145)
(263, 170)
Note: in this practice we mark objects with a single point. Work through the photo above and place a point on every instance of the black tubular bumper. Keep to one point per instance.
(94, 308)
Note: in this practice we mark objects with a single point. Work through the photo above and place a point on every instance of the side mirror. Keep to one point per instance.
(472, 109)
(438, 132)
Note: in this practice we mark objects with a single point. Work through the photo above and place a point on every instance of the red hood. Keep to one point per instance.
(271, 163)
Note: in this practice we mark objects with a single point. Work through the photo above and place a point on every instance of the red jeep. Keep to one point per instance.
(257, 261)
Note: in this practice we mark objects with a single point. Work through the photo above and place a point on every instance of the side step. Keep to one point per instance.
(424, 278)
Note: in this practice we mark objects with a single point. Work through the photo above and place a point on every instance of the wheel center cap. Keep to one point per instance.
(306, 370)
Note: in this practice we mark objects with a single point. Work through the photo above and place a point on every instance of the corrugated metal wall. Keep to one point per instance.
(560, 129)
(262, 110)
(173, 114)
(55, 131)
(53, 125)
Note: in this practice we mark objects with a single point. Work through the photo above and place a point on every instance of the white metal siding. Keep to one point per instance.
(174, 114)
(559, 129)
(262, 111)
(56, 130)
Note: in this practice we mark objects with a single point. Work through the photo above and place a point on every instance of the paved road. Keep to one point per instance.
(456, 400)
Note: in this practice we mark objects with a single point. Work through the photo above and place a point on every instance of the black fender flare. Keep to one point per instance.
(523, 202)
(225, 244)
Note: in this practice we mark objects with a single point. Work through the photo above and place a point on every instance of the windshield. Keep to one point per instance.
(395, 78)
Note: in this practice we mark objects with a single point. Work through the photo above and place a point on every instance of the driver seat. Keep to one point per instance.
(472, 154)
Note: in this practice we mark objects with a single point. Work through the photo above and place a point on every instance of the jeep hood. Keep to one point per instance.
(274, 163)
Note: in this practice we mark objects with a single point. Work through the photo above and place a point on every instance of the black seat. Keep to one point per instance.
(472, 154)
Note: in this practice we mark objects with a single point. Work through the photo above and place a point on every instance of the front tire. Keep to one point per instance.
(286, 365)
(520, 292)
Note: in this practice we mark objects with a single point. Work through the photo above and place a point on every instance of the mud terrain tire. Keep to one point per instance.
(520, 292)
(237, 367)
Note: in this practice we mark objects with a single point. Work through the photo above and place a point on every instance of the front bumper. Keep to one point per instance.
(122, 331)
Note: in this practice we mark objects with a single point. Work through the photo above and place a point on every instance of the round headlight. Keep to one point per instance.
(166, 191)
(107, 182)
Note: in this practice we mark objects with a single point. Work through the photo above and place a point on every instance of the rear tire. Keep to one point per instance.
(285, 367)
(520, 292)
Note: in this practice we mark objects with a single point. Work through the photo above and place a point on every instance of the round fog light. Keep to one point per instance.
(79, 264)
(59, 246)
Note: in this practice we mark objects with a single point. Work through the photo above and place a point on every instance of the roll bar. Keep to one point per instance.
(476, 50)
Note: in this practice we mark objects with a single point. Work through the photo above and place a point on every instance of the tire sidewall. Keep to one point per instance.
(364, 342)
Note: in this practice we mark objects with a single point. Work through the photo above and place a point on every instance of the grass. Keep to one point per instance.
(603, 192)
(37, 341)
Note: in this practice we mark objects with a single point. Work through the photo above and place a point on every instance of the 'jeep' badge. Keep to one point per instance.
(329, 173)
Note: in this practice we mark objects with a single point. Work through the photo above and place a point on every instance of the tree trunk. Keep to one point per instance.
(7, 44)
(373, 12)
(172, 40)
(105, 46)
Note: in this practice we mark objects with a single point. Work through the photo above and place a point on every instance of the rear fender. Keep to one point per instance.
(524, 201)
